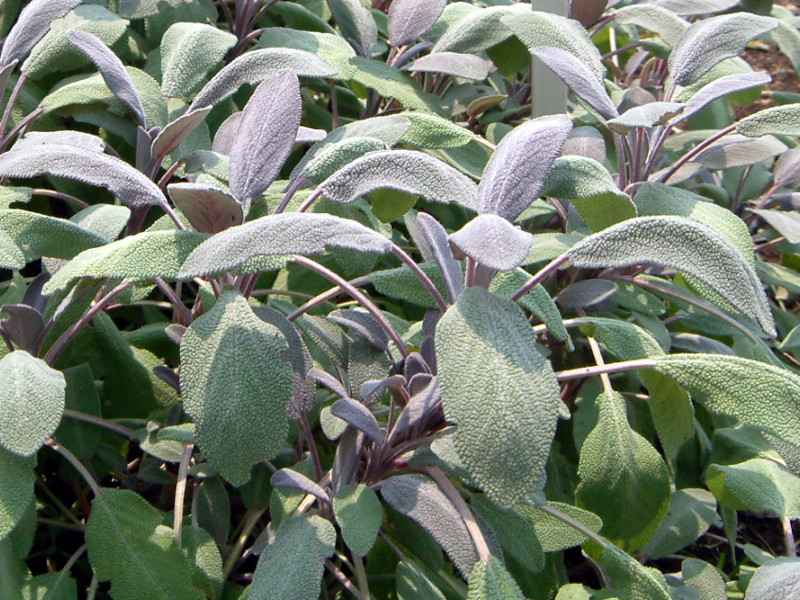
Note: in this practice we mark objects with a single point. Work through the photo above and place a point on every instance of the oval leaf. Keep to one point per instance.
(240, 413)
(16, 489)
(467, 66)
(779, 578)
(287, 478)
(359, 515)
(493, 242)
(356, 23)
(518, 169)
(359, 416)
(31, 25)
(778, 120)
(499, 391)
(409, 19)
(33, 401)
(207, 208)
(178, 130)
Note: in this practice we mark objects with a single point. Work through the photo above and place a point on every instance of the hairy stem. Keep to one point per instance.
(324, 297)
(426, 281)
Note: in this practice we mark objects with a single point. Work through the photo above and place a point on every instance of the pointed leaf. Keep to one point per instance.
(356, 23)
(539, 28)
(421, 499)
(207, 208)
(31, 25)
(646, 115)
(477, 30)
(240, 413)
(255, 66)
(778, 120)
(278, 237)
(492, 582)
(139, 257)
(111, 68)
(292, 565)
(617, 468)
(413, 585)
(587, 292)
(40, 235)
(499, 391)
(106, 220)
(122, 180)
(24, 326)
(517, 171)
(467, 66)
(431, 238)
(332, 157)
(16, 491)
(740, 151)
(404, 170)
(419, 406)
(728, 84)
(169, 138)
(493, 242)
(211, 506)
(125, 548)
(553, 533)
(266, 135)
(189, 51)
(760, 485)
(359, 515)
(667, 242)
(515, 533)
(287, 478)
(759, 394)
(33, 402)
(430, 131)
(391, 82)
(358, 416)
(691, 512)
(786, 223)
(579, 78)
(410, 19)
(361, 323)
(329, 47)
(652, 17)
(779, 578)
(710, 41)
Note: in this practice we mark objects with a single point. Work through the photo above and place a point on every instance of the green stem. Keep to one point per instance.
(361, 575)
(251, 521)
(348, 585)
(577, 525)
(180, 492)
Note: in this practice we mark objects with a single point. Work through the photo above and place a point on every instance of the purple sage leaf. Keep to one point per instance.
(178, 130)
(287, 478)
(32, 24)
(721, 87)
(467, 66)
(409, 19)
(362, 323)
(266, 134)
(208, 209)
(419, 406)
(493, 242)
(518, 169)
(589, 292)
(429, 234)
(358, 416)
(111, 68)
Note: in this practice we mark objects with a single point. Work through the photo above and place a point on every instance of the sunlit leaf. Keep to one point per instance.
(409, 19)
(16, 490)
(359, 515)
(779, 578)
(356, 23)
(778, 120)
(31, 25)
(467, 66)
(492, 582)
(492, 241)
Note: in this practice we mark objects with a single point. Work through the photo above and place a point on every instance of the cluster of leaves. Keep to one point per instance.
(300, 302)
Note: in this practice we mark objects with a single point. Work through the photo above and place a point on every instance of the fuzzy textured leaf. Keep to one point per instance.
(477, 30)
(177, 130)
(410, 19)
(279, 237)
(467, 66)
(738, 151)
(356, 23)
(652, 17)
(517, 171)
(727, 84)
(207, 208)
(255, 66)
(710, 41)
(359, 515)
(391, 82)
(125, 548)
(430, 131)
(759, 394)
(404, 170)
(691, 512)
(34, 396)
(40, 235)
(329, 47)
(31, 25)
(139, 257)
(491, 581)
(779, 578)
(16, 489)
(292, 565)
(778, 120)
(236, 386)
(515, 533)
(499, 391)
(421, 499)
(358, 416)
(685, 245)
(553, 533)
(646, 115)
(129, 185)
(493, 242)
(761, 485)
(266, 135)
(189, 51)
(413, 585)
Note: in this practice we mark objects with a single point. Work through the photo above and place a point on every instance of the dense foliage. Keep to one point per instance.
(326, 299)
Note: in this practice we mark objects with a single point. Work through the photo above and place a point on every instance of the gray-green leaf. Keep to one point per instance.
(691, 512)
(499, 391)
(778, 120)
(356, 23)
(761, 485)
(491, 581)
(236, 386)
(409, 19)
(31, 25)
(779, 578)
(359, 515)
(16, 490)
(492, 241)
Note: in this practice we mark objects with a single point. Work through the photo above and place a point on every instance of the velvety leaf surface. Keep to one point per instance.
(177, 131)
(16, 490)
(33, 396)
(236, 386)
(391, 82)
(493, 242)
(492, 582)
(704, 578)
(125, 548)
(404, 170)
(111, 68)
(431, 238)
(31, 25)
(266, 135)
(579, 78)
(431, 131)
(54, 52)
(718, 88)
(761, 485)
(189, 51)
(40, 235)
(667, 242)
(691, 512)
(359, 515)
(759, 394)
(255, 66)
(646, 115)
(778, 120)
(467, 66)
(652, 17)
(409, 19)
(287, 478)
(779, 578)
(334, 156)
(208, 209)
(331, 48)
(517, 171)
(106, 220)
(292, 565)
(356, 23)
(739, 151)
(421, 499)
(620, 471)
(359, 416)
(710, 41)
(477, 30)
(126, 183)
(631, 579)
(278, 237)
(140, 257)
(499, 391)
(515, 533)
(553, 533)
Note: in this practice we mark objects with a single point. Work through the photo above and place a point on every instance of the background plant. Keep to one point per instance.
(299, 302)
